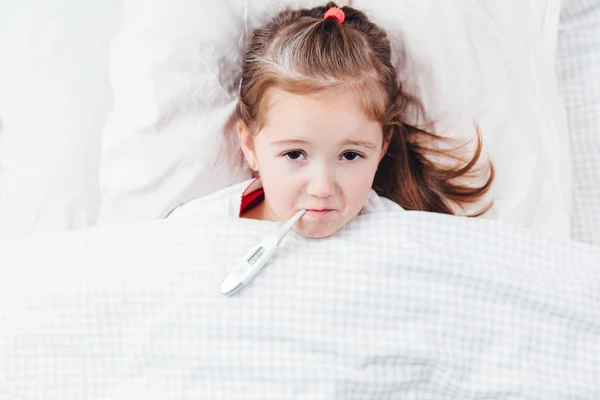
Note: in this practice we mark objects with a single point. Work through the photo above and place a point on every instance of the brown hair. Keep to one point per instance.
(300, 52)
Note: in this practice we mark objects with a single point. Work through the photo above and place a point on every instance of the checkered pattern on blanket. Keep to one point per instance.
(400, 305)
(578, 69)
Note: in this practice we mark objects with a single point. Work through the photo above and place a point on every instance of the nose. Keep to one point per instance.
(321, 184)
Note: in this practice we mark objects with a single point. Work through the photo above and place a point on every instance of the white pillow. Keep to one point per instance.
(175, 66)
(54, 100)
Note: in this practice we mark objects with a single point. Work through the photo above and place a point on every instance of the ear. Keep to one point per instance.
(384, 148)
(247, 144)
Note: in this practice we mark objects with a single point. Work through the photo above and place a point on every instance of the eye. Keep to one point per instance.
(351, 156)
(294, 155)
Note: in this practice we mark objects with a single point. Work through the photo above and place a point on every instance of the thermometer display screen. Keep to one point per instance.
(257, 254)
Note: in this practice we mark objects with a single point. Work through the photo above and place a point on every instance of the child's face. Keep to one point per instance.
(318, 153)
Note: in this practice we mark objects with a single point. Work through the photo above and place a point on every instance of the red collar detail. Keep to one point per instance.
(252, 199)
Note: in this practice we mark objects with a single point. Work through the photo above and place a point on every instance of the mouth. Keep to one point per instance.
(319, 212)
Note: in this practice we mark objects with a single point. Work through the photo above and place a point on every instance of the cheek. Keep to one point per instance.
(357, 190)
(279, 182)
(274, 172)
(282, 196)
(360, 179)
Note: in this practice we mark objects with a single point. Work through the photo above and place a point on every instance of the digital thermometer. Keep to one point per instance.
(256, 258)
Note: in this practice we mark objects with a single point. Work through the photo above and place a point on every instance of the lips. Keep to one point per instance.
(319, 211)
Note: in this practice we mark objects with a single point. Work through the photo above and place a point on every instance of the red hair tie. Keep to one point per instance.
(337, 13)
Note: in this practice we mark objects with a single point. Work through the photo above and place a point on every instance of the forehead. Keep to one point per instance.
(327, 113)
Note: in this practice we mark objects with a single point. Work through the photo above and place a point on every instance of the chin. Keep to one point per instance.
(315, 232)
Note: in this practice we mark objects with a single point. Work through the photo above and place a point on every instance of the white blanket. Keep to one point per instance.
(396, 306)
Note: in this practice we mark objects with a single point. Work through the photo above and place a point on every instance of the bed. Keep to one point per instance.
(112, 114)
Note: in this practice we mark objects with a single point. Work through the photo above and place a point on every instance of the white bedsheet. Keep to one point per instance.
(397, 305)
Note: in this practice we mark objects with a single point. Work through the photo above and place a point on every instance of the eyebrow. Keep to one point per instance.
(360, 143)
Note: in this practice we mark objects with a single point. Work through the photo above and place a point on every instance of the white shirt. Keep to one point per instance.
(228, 202)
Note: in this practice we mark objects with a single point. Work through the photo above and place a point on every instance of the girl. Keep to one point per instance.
(322, 125)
